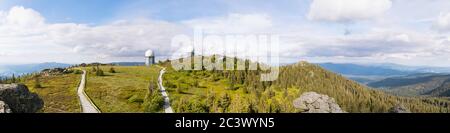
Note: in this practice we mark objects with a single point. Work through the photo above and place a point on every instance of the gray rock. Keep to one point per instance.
(55, 71)
(312, 102)
(4, 108)
(399, 108)
(19, 99)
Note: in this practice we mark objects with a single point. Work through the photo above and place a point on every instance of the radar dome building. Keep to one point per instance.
(149, 57)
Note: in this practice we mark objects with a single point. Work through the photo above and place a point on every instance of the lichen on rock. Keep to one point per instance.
(18, 99)
(4, 108)
(312, 102)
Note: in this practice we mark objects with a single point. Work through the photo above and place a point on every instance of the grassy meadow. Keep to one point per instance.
(59, 93)
(125, 90)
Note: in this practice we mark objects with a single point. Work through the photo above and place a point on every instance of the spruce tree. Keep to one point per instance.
(224, 102)
(13, 78)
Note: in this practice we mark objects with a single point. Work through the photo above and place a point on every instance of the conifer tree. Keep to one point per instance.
(224, 102)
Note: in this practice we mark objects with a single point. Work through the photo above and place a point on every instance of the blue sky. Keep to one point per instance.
(101, 11)
(410, 32)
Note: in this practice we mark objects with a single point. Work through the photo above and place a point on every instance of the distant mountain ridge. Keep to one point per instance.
(9, 70)
(381, 69)
(420, 69)
(365, 74)
(128, 63)
(355, 69)
(368, 73)
(397, 79)
(407, 80)
(428, 84)
(364, 70)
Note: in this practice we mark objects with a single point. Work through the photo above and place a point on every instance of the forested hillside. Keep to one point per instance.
(241, 91)
(442, 91)
(349, 94)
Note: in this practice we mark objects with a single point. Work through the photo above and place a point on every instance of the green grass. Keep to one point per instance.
(123, 91)
(59, 93)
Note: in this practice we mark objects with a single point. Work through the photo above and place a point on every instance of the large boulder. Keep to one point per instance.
(312, 102)
(19, 99)
(4, 108)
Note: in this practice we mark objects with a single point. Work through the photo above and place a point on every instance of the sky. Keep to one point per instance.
(408, 32)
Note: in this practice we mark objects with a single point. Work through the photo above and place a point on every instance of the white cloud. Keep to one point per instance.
(121, 39)
(2, 53)
(233, 23)
(442, 23)
(377, 43)
(25, 32)
(19, 16)
(347, 10)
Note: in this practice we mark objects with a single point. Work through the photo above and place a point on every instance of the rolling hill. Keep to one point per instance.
(414, 85)
(241, 91)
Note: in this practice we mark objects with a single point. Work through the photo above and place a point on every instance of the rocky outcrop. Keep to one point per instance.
(4, 108)
(312, 102)
(55, 71)
(399, 108)
(18, 99)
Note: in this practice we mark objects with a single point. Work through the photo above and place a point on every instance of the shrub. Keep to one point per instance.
(77, 72)
(135, 99)
(94, 69)
(112, 70)
(193, 105)
(99, 72)
(153, 103)
(37, 82)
